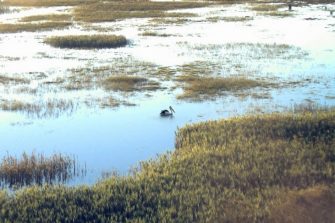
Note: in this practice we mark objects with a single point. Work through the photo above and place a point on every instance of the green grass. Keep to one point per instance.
(243, 169)
(32, 27)
(111, 11)
(35, 169)
(87, 41)
(199, 87)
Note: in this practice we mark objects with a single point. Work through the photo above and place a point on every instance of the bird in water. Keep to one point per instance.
(166, 112)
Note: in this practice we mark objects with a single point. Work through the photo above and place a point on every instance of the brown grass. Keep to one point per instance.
(314, 204)
(198, 88)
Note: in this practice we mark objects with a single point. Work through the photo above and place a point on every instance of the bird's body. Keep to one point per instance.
(166, 112)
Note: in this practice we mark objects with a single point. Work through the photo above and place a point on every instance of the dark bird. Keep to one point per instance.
(166, 112)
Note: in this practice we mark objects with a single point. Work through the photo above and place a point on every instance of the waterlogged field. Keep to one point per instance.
(102, 104)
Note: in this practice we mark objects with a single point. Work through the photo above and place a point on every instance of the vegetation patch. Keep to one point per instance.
(234, 170)
(199, 88)
(51, 17)
(129, 83)
(35, 169)
(111, 11)
(32, 27)
(87, 41)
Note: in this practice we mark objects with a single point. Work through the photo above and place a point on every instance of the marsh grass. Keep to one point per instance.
(36, 169)
(87, 41)
(32, 27)
(129, 83)
(242, 169)
(51, 17)
(111, 11)
(43, 109)
(199, 87)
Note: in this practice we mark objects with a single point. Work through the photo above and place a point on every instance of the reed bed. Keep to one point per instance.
(243, 169)
(87, 41)
(35, 169)
(32, 27)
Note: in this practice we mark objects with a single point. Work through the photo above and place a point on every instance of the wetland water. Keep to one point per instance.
(64, 115)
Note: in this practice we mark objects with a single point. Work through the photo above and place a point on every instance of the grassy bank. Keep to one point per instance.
(235, 170)
(87, 41)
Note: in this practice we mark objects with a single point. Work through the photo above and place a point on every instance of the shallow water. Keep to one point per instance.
(106, 139)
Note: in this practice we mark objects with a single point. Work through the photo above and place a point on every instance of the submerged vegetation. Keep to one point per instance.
(234, 170)
(87, 41)
(36, 169)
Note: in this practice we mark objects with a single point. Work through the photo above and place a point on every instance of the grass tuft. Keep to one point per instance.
(87, 41)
